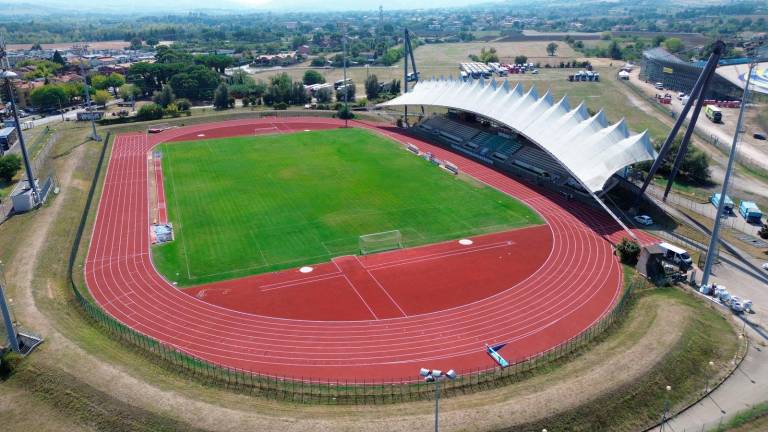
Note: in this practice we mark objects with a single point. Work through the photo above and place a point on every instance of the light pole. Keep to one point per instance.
(86, 88)
(7, 75)
(666, 409)
(711, 365)
(435, 376)
(713, 239)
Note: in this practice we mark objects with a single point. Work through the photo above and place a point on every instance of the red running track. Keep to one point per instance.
(575, 285)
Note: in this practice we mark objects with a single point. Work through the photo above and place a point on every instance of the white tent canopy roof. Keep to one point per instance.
(590, 149)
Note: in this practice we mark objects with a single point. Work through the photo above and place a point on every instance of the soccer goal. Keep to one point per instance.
(379, 242)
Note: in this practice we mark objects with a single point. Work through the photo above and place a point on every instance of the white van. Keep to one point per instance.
(677, 256)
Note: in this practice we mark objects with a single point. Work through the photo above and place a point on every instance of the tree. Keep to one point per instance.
(101, 97)
(152, 41)
(350, 93)
(195, 82)
(221, 97)
(48, 97)
(42, 69)
(240, 76)
(628, 251)
(614, 51)
(99, 82)
(280, 89)
(694, 167)
(372, 87)
(164, 97)
(10, 164)
(344, 113)
(551, 48)
(521, 59)
(135, 44)
(217, 62)
(57, 58)
(150, 111)
(488, 56)
(299, 94)
(324, 95)
(115, 80)
(313, 77)
(36, 47)
(319, 61)
(129, 91)
(673, 45)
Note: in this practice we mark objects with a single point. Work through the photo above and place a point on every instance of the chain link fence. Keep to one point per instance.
(309, 389)
(733, 221)
(41, 167)
(745, 161)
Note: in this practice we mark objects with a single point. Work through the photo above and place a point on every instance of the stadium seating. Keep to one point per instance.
(533, 156)
(456, 132)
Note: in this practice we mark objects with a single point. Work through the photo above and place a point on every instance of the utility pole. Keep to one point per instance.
(83, 49)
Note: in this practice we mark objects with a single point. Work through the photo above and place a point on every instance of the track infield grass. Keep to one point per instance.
(254, 204)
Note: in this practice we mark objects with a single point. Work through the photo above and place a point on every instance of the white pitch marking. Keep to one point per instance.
(465, 242)
(306, 269)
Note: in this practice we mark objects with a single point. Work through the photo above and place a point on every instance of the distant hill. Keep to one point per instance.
(70, 7)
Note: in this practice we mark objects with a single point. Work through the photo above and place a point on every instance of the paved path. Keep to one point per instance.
(749, 383)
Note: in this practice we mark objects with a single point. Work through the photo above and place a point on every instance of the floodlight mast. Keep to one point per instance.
(6, 75)
(714, 238)
(83, 49)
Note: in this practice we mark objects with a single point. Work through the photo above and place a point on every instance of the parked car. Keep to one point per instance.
(644, 220)
(758, 135)
(659, 86)
(765, 266)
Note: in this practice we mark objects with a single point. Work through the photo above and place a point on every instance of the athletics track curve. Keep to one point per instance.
(577, 284)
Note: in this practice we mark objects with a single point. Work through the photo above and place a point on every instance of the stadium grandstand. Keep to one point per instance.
(659, 65)
(516, 130)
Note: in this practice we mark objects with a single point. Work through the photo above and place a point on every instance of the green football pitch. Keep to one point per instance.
(254, 204)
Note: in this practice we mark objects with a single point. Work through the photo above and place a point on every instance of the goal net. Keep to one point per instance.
(379, 242)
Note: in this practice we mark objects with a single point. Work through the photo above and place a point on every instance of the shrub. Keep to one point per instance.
(183, 104)
(8, 362)
(763, 233)
(345, 113)
(280, 106)
(172, 110)
(150, 111)
(10, 164)
(628, 251)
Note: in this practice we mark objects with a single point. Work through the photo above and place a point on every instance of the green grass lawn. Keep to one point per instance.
(249, 205)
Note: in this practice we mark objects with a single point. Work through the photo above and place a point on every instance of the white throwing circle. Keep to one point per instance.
(465, 242)
(306, 269)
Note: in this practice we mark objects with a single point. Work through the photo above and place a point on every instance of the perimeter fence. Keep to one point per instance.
(312, 390)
